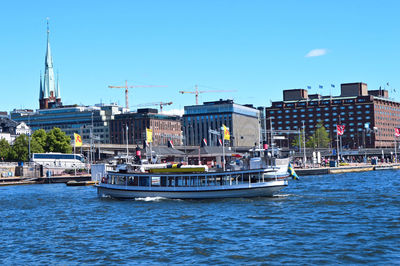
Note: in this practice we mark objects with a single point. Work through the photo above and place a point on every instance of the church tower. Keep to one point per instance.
(49, 95)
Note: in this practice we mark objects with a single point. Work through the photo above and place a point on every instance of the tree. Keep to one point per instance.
(40, 136)
(4, 149)
(320, 138)
(20, 148)
(58, 141)
(296, 140)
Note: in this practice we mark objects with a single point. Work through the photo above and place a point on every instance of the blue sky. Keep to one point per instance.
(257, 48)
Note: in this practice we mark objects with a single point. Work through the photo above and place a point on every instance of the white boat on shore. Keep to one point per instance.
(194, 183)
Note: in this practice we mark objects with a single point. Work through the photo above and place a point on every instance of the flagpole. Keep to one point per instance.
(395, 150)
(75, 155)
(337, 144)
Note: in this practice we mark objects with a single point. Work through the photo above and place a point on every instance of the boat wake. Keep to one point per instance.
(150, 199)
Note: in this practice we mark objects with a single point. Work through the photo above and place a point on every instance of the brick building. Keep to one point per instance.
(165, 127)
(369, 116)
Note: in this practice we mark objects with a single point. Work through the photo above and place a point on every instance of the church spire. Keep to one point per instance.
(49, 92)
(41, 88)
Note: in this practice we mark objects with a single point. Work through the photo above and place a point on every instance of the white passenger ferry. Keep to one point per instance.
(193, 182)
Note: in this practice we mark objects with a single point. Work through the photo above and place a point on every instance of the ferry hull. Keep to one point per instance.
(267, 189)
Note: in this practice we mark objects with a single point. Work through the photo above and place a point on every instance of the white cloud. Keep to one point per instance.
(316, 52)
(173, 112)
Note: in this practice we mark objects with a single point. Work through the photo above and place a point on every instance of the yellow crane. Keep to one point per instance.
(126, 87)
(161, 104)
(196, 92)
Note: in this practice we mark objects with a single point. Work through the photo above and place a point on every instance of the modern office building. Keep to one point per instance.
(165, 127)
(369, 116)
(73, 119)
(199, 121)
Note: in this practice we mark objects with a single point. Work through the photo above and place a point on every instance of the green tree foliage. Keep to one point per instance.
(20, 148)
(320, 138)
(4, 149)
(296, 143)
(40, 137)
(57, 141)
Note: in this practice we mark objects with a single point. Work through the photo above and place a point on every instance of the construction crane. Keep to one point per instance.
(126, 87)
(161, 104)
(196, 92)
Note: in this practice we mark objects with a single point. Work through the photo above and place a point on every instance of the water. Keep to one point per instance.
(347, 218)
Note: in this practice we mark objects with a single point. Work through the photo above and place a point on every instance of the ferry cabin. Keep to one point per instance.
(188, 180)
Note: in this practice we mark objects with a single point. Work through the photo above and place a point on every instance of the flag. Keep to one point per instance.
(332, 85)
(219, 142)
(397, 132)
(171, 144)
(292, 173)
(309, 87)
(321, 87)
(340, 129)
(204, 142)
(227, 136)
(78, 140)
(149, 135)
(387, 83)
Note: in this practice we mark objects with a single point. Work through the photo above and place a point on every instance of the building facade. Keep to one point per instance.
(369, 116)
(73, 119)
(165, 127)
(242, 121)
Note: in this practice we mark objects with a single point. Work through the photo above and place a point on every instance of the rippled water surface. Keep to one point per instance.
(347, 218)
